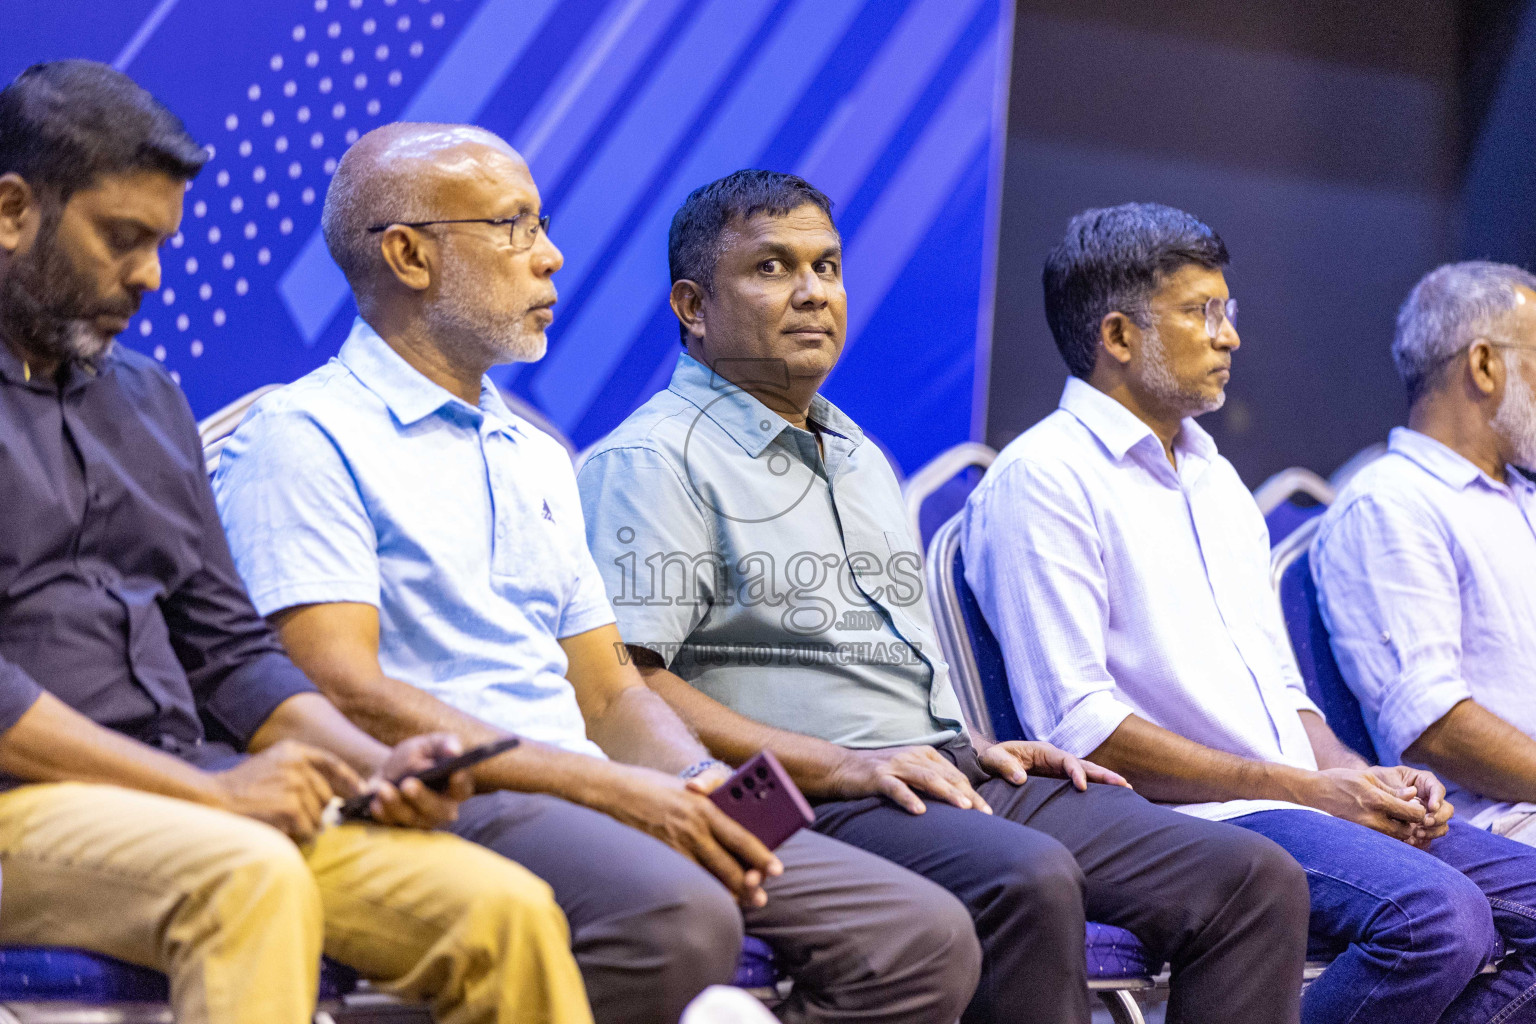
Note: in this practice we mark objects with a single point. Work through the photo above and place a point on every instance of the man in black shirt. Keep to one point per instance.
(165, 766)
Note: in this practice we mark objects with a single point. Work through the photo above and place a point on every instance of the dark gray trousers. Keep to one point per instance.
(1229, 914)
(864, 939)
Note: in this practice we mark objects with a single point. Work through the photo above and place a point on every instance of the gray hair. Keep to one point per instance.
(1450, 308)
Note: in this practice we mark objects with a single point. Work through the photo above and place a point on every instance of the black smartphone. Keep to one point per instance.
(434, 778)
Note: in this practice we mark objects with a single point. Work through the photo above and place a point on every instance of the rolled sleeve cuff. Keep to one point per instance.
(580, 620)
(1414, 705)
(1301, 702)
(248, 695)
(1089, 723)
(18, 692)
(270, 600)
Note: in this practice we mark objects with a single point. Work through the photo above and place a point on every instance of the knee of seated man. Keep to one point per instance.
(692, 923)
(1246, 862)
(262, 870)
(1042, 875)
(1446, 918)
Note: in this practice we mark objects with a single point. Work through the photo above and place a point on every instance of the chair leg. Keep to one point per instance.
(1122, 1006)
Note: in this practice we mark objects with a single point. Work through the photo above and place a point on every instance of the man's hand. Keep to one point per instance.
(680, 815)
(1378, 798)
(1430, 791)
(1015, 759)
(900, 773)
(411, 804)
(287, 786)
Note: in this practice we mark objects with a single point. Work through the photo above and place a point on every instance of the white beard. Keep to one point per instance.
(1158, 379)
(460, 320)
(1515, 421)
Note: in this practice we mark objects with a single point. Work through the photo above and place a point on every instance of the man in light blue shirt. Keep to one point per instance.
(1123, 567)
(1426, 563)
(421, 550)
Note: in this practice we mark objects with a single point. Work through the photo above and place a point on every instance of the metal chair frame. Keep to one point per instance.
(1272, 493)
(939, 470)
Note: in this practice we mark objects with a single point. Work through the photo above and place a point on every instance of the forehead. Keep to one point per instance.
(151, 197)
(476, 179)
(1193, 283)
(805, 227)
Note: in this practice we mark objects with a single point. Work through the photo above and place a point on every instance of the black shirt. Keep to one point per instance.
(117, 591)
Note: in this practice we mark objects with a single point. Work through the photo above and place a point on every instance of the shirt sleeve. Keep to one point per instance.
(1034, 560)
(18, 692)
(296, 521)
(651, 544)
(233, 660)
(1390, 597)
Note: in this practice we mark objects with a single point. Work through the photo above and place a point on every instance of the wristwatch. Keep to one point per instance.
(700, 767)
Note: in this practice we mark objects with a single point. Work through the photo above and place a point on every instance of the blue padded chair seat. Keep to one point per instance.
(50, 974)
(1111, 952)
(1116, 953)
(757, 967)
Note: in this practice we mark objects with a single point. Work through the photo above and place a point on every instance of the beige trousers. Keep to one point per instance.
(237, 915)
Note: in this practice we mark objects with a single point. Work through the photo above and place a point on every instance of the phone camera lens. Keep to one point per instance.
(736, 792)
(762, 772)
(748, 782)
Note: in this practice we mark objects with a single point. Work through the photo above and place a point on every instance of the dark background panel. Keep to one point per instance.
(1341, 147)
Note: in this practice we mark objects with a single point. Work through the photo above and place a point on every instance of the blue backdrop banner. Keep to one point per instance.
(894, 108)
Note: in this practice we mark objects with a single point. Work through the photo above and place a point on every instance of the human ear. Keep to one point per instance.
(16, 204)
(1485, 371)
(407, 257)
(1116, 332)
(687, 301)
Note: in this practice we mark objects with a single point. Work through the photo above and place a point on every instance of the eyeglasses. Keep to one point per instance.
(524, 228)
(1491, 344)
(1215, 310)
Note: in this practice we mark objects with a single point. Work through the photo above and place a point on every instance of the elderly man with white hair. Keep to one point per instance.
(1426, 564)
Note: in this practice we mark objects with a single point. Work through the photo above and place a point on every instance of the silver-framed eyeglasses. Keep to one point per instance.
(523, 228)
(1215, 310)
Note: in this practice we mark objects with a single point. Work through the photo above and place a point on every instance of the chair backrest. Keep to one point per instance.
(1290, 572)
(214, 430)
(1290, 498)
(937, 491)
(976, 667)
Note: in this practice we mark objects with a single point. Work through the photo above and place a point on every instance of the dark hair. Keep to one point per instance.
(64, 124)
(693, 244)
(1113, 259)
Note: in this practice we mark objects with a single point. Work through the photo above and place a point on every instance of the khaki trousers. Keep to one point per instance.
(237, 915)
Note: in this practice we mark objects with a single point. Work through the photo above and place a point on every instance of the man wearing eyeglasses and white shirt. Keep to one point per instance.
(1426, 563)
(1123, 566)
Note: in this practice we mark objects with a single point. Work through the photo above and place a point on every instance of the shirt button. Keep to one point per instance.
(1386, 637)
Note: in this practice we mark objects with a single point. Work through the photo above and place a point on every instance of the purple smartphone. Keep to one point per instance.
(764, 800)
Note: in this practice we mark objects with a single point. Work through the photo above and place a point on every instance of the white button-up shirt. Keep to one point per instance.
(1426, 574)
(1118, 585)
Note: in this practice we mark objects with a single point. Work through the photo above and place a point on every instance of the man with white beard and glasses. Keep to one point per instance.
(1426, 563)
(1124, 568)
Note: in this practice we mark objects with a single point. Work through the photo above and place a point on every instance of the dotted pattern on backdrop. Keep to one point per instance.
(894, 107)
(267, 173)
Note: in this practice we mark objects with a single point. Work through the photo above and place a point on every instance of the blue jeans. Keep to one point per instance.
(1411, 929)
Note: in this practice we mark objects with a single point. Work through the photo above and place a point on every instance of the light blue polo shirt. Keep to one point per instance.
(366, 482)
